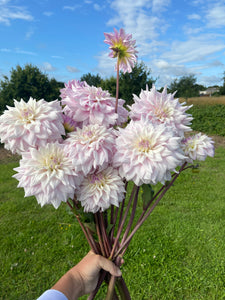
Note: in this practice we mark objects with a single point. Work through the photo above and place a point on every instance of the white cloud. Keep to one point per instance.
(210, 80)
(72, 69)
(5, 50)
(192, 30)
(159, 5)
(57, 56)
(10, 12)
(194, 49)
(194, 17)
(216, 16)
(29, 33)
(72, 8)
(20, 51)
(97, 7)
(106, 65)
(166, 71)
(48, 13)
(47, 67)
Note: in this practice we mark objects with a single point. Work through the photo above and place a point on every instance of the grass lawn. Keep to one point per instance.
(177, 254)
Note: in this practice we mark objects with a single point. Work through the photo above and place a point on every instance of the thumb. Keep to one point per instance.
(109, 266)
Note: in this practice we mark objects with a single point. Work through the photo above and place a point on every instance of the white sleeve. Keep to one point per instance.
(52, 295)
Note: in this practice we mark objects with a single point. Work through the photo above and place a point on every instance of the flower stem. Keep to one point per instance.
(105, 237)
(131, 217)
(141, 220)
(111, 288)
(117, 83)
(83, 228)
(122, 223)
(122, 288)
(103, 253)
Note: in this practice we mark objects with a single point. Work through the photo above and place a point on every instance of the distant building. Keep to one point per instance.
(209, 91)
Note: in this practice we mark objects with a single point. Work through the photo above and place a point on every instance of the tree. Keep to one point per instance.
(91, 79)
(186, 86)
(25, 83)
(109, 84)
(132, 83)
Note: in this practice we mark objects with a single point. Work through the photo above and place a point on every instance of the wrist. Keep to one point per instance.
(70, 285)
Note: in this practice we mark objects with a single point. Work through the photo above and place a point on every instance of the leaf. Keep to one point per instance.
(147, 194)
(195, 169)
(109, 228)
(91, 227)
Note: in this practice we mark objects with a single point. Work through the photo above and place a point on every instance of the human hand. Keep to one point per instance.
(83, 278)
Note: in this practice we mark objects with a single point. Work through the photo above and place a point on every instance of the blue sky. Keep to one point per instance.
(64, 38)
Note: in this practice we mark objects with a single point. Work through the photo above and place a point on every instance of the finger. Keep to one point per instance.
(109, 266)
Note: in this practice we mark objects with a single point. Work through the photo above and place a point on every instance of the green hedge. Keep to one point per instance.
(209, 119)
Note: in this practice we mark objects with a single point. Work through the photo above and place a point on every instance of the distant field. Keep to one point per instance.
(204, 100)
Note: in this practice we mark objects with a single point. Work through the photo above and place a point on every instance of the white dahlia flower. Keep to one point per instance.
(31, 124)
(101, 189)
(146, 153)
(198, 147)
(161, 108)
(91, 147)
(91, 105)
(48, 174)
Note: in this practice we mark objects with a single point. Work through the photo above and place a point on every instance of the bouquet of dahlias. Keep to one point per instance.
(85, 149)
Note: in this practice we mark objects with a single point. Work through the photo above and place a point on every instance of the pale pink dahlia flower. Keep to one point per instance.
(71, 87)
(161, 108)
(48, 174)
(146, 153)
(101, 189)
(123, 47)
(91, 105)
(198, 147)
(90, 147)
(31, 124)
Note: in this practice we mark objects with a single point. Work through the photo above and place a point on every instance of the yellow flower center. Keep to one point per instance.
(144, 146)
(52, 162)
(163, 113)
(27, 115)
(120, 50)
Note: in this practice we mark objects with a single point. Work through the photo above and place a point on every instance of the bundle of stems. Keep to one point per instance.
(112, 233)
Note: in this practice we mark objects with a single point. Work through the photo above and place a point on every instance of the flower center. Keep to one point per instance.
(52, 162)
(27, 115)
(162, 113)
(120, 50)
(144, 146)
(97, 180)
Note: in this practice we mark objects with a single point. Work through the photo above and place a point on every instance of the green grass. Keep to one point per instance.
(177, 254)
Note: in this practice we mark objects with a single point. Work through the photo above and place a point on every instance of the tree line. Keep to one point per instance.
(31, 82)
